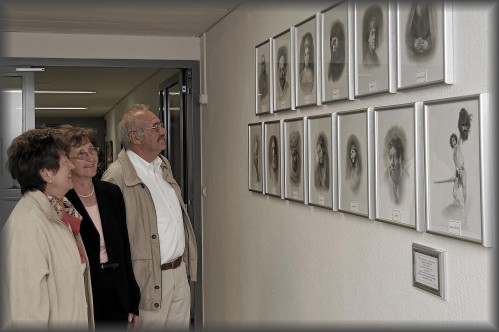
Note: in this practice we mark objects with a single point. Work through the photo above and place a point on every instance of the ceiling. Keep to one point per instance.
(187, 18)
(110, 84)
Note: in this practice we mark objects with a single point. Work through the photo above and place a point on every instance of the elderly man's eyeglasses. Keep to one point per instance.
(82, 155)
(156, 127)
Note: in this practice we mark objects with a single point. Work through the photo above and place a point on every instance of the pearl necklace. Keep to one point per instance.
(86, 196)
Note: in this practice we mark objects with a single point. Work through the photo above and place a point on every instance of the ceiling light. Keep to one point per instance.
(60, 108)
(63, 91)
(30, 69)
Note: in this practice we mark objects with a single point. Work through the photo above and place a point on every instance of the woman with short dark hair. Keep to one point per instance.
(45, 272)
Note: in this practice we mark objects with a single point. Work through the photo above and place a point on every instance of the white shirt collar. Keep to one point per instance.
(138, 161)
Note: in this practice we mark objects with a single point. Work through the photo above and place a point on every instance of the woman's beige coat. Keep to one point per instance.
(41, 272)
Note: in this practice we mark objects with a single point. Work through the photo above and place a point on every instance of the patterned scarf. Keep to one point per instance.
(72, 218)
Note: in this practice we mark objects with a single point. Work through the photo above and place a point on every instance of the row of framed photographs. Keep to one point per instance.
(423, 165)
(353, 49)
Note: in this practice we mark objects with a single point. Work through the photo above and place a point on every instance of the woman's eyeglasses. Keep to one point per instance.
(82, 155)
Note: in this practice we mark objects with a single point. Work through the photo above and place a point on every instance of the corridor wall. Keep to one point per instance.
(279, 263)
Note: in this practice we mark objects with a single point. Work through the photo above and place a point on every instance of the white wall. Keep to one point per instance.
(273, 262)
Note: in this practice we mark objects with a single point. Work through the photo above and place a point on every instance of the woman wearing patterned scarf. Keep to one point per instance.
(45, 274)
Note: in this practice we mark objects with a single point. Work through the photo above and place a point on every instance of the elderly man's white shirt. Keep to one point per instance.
(168, 210)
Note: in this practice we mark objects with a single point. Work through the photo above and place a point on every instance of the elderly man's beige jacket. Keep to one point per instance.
(143, 228)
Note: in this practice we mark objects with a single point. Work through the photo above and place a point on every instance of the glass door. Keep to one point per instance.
(173, 116)
(17, 115)
(181, 119)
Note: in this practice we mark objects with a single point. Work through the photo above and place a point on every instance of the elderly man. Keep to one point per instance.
(282, 66)
(162, 242)
(396, 167)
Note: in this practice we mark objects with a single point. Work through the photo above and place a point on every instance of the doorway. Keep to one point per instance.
(189, 164)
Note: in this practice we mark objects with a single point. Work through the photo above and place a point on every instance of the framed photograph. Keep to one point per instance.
(424, 43)
(374, 47)
(255, 157)
(283, 59)
(353, 162)
(429, 270)
(307, 64)
(320, 160)
(398, 160)
(109, 152)
(264, 72)
(273, 158)
(337, 52)
(458, 153)
(294, 159)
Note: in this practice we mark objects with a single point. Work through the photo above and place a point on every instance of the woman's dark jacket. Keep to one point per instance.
(113, 217)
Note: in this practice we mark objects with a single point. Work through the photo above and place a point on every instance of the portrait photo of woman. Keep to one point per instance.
(273, 165)
(336, 47)
(294, 154)
(337, 51)
(306, 77)
(273, 155)
(305, 67)
(353, 162)
(374, 53)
